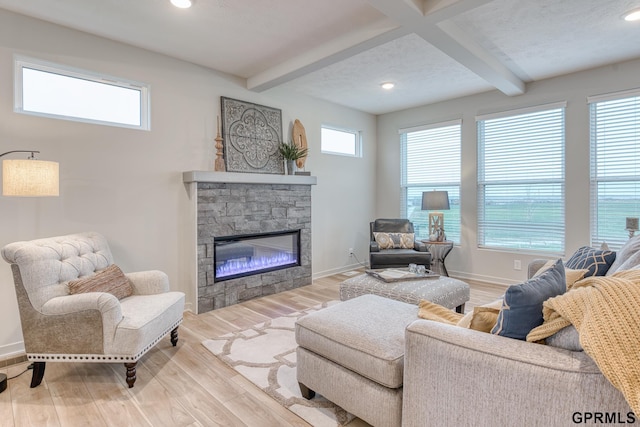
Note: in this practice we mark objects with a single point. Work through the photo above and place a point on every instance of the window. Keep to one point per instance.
(431, 161)
(340, 141)
(51, 90)
(615, 165)
(521, 179)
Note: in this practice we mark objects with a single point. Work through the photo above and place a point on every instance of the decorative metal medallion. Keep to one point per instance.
(251, 136)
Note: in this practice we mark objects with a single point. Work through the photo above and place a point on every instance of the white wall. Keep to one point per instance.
(127, 184)
(467, 260)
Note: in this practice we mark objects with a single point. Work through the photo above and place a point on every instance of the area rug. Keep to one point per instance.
(265, 354)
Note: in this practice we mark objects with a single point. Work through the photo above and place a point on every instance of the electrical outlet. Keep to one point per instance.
(517, 265)
(350, 252)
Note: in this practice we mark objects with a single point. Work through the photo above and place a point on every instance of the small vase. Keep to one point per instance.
(288, 164)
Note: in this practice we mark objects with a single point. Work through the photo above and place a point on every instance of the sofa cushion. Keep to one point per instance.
(571, 275)
(468, 319)
(596, 261)
(438, 313)
(394, 240)
(522, 307)
(111, 280)
(484, 319)
(566, 338)
(627, 257)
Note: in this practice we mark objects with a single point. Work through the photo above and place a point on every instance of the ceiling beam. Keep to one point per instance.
(325, 55)
(435, 27)
(429, 19)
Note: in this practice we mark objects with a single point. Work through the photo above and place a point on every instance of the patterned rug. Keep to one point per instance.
(265, 354)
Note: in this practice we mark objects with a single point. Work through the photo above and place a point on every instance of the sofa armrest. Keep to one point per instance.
(149, 282)
(534, 266)
(458, 376)
(68, 324)
(373, 246)
(107, 304)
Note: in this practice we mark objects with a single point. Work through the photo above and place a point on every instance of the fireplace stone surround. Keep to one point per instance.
(238, 204)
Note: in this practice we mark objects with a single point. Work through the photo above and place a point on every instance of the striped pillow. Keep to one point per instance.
(111, 280)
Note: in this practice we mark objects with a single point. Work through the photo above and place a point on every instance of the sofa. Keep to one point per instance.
(456, 376)
(377, 359)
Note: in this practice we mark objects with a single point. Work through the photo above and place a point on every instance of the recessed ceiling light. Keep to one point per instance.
(182, 4)
(387, 85)
(633, 15)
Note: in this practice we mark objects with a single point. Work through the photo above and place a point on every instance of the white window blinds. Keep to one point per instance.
(615, 166)
(430, 157)
(521, 180)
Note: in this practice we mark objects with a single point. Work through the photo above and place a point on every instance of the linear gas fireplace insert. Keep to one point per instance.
(249, 254)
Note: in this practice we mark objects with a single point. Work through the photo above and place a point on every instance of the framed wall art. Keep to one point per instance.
(251, 134)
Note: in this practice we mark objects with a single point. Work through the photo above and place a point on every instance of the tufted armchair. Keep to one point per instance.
(395, 257)
(59, 326)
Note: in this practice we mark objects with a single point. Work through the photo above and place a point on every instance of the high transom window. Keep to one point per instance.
(61, 92)
(342, 142)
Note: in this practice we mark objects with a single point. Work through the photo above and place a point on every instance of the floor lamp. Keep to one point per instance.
(436, 201)
(28, 178)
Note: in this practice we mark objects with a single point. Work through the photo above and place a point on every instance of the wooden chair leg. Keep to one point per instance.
(306, 392)
(174, 336)
(38, 374)
(131, 373)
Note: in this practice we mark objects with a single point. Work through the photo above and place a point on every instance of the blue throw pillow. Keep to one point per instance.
(596, 261)
(522, 306)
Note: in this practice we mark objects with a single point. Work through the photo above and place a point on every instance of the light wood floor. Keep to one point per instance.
(181, 386)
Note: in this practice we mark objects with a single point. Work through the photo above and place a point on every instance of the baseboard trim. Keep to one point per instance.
(331, 272)
(487, 280)
(13, 360)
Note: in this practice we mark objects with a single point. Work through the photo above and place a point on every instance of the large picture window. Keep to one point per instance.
(56, 91)
(615, 165)
(431, 161)
(521, 179)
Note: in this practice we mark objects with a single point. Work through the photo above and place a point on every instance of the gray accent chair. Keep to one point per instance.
(87, 327)
(396, 258)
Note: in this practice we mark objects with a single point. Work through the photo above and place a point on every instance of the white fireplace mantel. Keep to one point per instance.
(247, 178)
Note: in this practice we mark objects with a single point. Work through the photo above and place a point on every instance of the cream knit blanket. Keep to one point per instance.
(606, 312)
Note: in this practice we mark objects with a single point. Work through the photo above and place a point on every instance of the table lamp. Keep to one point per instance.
(632, 226)
(435, 201)
(29, 177)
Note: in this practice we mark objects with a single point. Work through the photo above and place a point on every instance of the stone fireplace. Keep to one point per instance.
(257, 220)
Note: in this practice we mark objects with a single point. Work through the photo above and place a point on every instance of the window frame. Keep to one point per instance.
(357, 141)
(613, 128)
(405, 186)
(483, 183)
(22, 62)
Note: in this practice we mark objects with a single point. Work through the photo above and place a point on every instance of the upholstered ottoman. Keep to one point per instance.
(446, 291)
(352, 353)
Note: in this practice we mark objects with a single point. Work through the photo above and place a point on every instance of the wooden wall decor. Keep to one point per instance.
(251, 135)
(300, 139)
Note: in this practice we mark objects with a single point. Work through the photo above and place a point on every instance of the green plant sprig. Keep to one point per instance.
(290, 151)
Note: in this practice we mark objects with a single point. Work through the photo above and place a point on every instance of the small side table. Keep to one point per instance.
(439, 251)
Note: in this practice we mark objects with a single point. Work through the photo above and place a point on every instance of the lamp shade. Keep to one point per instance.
(30, 178)
(435, 200)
